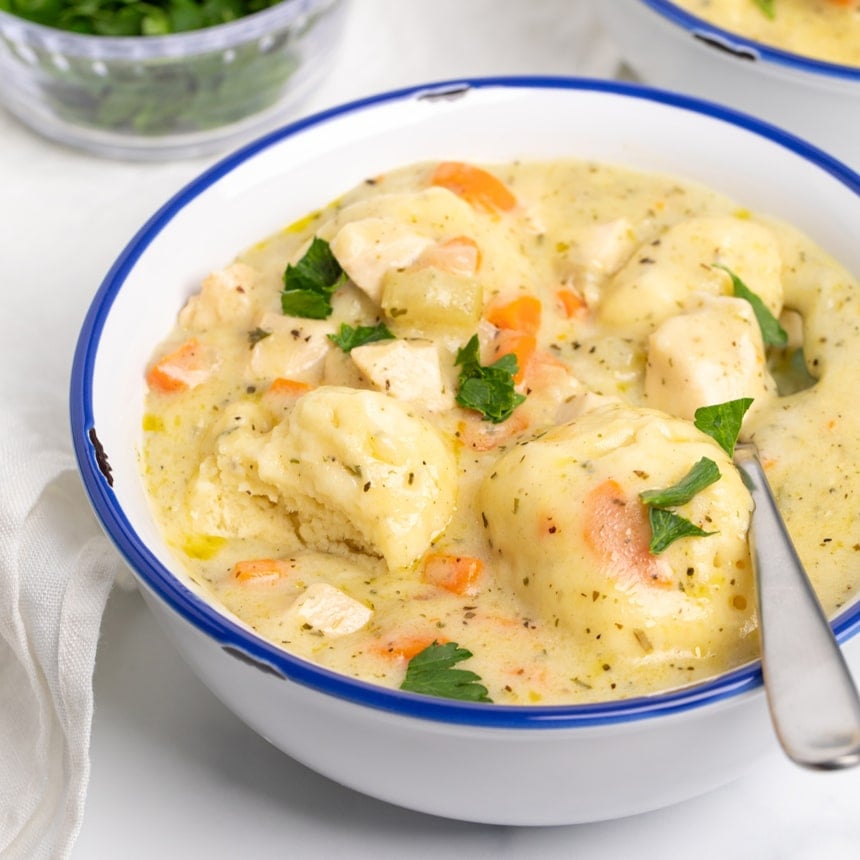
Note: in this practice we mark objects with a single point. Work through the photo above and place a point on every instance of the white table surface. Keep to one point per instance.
(176, 775)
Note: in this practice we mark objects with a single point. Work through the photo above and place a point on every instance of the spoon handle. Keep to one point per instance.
(812, 698)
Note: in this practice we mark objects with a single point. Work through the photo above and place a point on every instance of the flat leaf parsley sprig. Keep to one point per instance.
(488, 389)
(432, 673)
(722, 422)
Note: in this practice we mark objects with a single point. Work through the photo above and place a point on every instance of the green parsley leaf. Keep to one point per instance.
(772, 333)
(767, 7)
(703, 474)
(431, 672)
(310, 284)
(722, 421)
(487, 389)
(667, 527)
(349, 337)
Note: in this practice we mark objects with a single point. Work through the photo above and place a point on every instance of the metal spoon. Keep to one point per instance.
(812, 698)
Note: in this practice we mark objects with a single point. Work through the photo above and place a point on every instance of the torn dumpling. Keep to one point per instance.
(355, 468)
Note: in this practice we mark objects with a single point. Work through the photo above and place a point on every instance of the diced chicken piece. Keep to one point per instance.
(601, 250)
(294, 348)
(712, 354)
(328, 610)
(663, 278)
(224, 297)
(406, 369)
(367, 249)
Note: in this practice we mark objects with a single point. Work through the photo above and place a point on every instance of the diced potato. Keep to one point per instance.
(428, 299)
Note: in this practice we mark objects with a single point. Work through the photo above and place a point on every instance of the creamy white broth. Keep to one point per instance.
(316, 511)
(822, 29)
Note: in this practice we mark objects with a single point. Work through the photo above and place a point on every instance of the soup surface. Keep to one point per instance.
(427, 414)
(826, 30)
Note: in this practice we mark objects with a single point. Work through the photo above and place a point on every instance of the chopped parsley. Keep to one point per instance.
(487, 389)
(722, 421)
(349, 337)
(432, 673)
(133, 17)
(772, 333)
(702, 475)
(767, 8)
(310, 284)
(667, 527)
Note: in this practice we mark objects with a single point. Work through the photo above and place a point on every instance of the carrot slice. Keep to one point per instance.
(480, 435)
(572, 303)
(406, 647)
(519, 344)
(258, 570)
(522, 314)
(617, 529)
(476, 186)
(456, 573)
(283, 387)
(186, 367)
(459, 256)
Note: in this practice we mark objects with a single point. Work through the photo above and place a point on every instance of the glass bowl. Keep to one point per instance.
(179, 95)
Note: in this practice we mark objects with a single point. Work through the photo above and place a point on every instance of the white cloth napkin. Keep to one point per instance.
(56, 569)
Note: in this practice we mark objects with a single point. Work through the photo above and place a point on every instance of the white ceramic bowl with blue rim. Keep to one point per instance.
(669, 47)
(487, 763)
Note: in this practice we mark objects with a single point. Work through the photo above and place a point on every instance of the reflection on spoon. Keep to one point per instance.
(812, 698)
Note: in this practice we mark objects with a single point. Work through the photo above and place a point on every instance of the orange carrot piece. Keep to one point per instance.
(480, 435)
(476, 186)
(572, 303)
(186, 367)
(258, 570)
(459, 256)
(522, 314)
(519, 344)
(617, 529)
(456, 573)
(283, 387)
(406, 647)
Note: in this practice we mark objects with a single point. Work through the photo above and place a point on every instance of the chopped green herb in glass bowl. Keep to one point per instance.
(150, 79)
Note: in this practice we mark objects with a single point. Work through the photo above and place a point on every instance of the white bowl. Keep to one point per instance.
(668, 47)
(487, 763)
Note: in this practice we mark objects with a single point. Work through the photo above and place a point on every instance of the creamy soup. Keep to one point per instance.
(823, 29)
(428, 413)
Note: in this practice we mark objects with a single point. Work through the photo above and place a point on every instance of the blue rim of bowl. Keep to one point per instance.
(698, 27)
(247, 645)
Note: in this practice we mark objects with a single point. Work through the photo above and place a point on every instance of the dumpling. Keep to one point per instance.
(571, 537)
(355, 467)
(662, 278)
